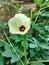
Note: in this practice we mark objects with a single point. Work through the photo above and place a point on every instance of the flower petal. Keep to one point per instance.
(17, 21)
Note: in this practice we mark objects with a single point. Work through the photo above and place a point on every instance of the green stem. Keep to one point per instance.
(25, 53)
(38, 61)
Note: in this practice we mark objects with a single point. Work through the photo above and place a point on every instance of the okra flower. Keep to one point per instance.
(19, 24)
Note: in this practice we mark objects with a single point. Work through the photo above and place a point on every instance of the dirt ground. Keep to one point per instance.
(6, 12)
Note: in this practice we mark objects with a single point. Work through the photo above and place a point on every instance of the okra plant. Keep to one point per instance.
(26, 36)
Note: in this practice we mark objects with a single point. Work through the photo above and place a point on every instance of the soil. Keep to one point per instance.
(6, 12)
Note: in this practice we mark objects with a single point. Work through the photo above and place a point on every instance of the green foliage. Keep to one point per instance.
(45, 14)
(16, 38)
(18, 63)
(22, 43)
(9, 53)
(46, 2)
(17, 5)
(47, 28)
(32, 45)
(41, 3)
(2, 24)
(38, 2)
(1, 60)
(1, 44)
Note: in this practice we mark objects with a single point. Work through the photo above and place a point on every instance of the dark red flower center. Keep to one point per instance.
(22, 28)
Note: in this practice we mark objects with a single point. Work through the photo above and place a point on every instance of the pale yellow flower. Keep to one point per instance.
(19, 24)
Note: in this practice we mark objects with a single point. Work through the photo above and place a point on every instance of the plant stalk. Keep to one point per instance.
(38, 61)
(25, 53)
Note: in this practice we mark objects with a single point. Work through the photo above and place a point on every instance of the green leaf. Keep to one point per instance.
(2, 24)
(47, 38)
(45, 3)
(10, 53)
(33, 45)
(47, 28)
(1, 60)
(45, 14)
(16, 38)
(18, 63)
(35, 41)
(38, 2)
(39, 28)
(17, 5)
(44, 46)
(32, 53)
(45, 55)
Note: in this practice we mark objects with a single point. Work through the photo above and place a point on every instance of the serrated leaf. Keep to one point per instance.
(35, 41)
(10, 53)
